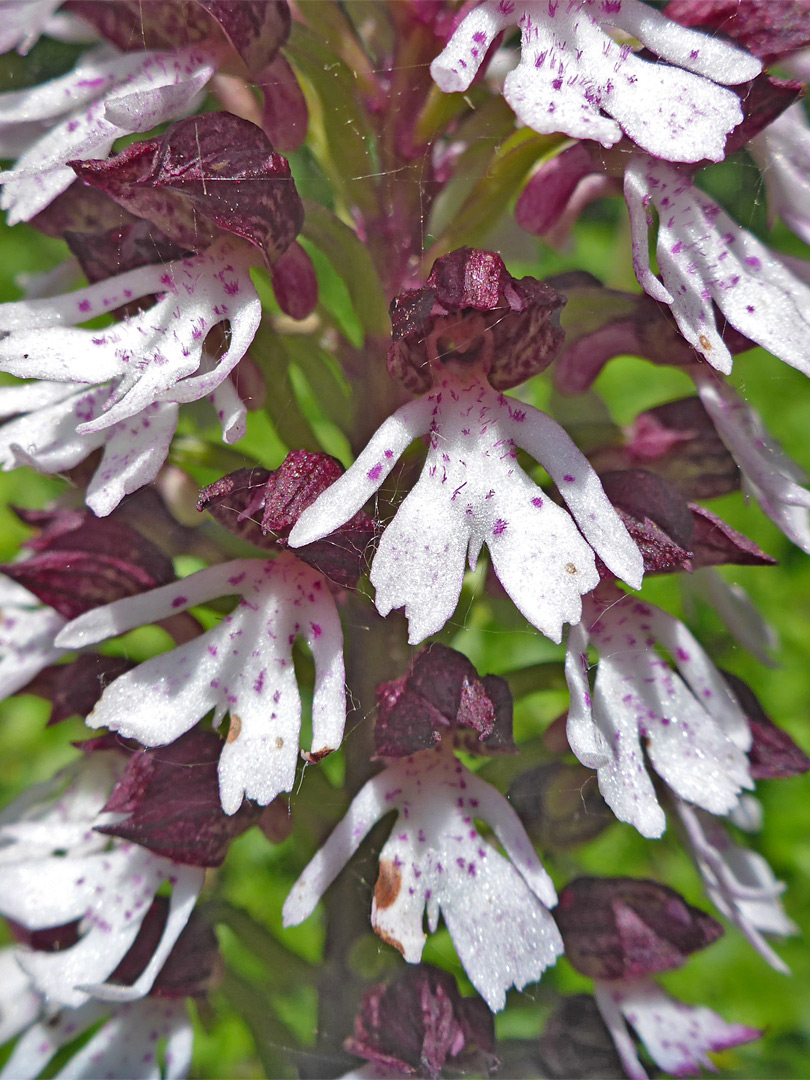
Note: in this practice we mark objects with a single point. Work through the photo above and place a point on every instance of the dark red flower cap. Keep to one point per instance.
(623, 928)
(171, 794)
(81, 561)
(773, 754)
(261, 507)
(471, 310)
(442, 692)
(418, 1023)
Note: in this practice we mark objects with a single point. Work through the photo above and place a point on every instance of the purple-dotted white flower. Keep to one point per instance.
(156, 355)
(678, 1037)
(738, 881)
(768, 474)
(43, 435)
(27, 633)
(495, 908)
(706, 259)
(473, 492)
(782, 152)
(696, 734)
(243, 666)
(575, 78)
(125, 1047)
(57, 869)
(80, 115)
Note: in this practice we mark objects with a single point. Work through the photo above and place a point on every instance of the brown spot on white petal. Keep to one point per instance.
(389, 940)
(314, 756)
(705, 344)
(235, 730)
(279, 742)
(388, 885)
(570, 568)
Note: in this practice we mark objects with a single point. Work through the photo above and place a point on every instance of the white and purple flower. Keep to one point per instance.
(473, 492)
(575, 78)
(495, 908)
(706, 259)
(695, 732)
(243, 666)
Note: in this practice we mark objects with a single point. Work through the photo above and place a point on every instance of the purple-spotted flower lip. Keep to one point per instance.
(471, 311)
(442, 692)
(436, 861)
(695, 734)
(472, 492)
(573, 77)
(623, 928)
(769, 30)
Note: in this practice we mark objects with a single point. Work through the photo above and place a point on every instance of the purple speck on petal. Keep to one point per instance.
(568, 478)
(179, 601)
(753, 262)
(375, 473)
(537, 501)
(499, 527)
(683, 654)
(316, 630)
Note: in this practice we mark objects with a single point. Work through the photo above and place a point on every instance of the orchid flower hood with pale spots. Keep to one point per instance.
(678, 1037)
(495, 908)
(243, 666)
(706, 259)
(696, 734)
(574, 78)
(152, 356)
(473, 492)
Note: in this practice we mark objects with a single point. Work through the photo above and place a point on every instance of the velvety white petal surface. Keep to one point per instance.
(341, 501)
(20, 1004)
(694, 736)
(573, 77)
(153, 355)
(39, 1044)
(584, 737)
(739, 883)
(27, 632)
(705, 258)
(148, 89)
(742, 619)
(768, 473)
(46, 438)
(678, 1037)
(242, 666)
(22, 22)
(435, 859)
(472, 492)
(110, 892)
(782, 152)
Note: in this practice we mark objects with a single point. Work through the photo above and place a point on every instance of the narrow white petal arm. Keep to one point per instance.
(83, 304)
(579, 485)
(584, 737)
(718, 60)
(636, 197)
(456, 66)
(149, 607)
(507, 826)
(187, 887)
(702, 677)
(368, 806)
(346, 496)
(325, 640)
